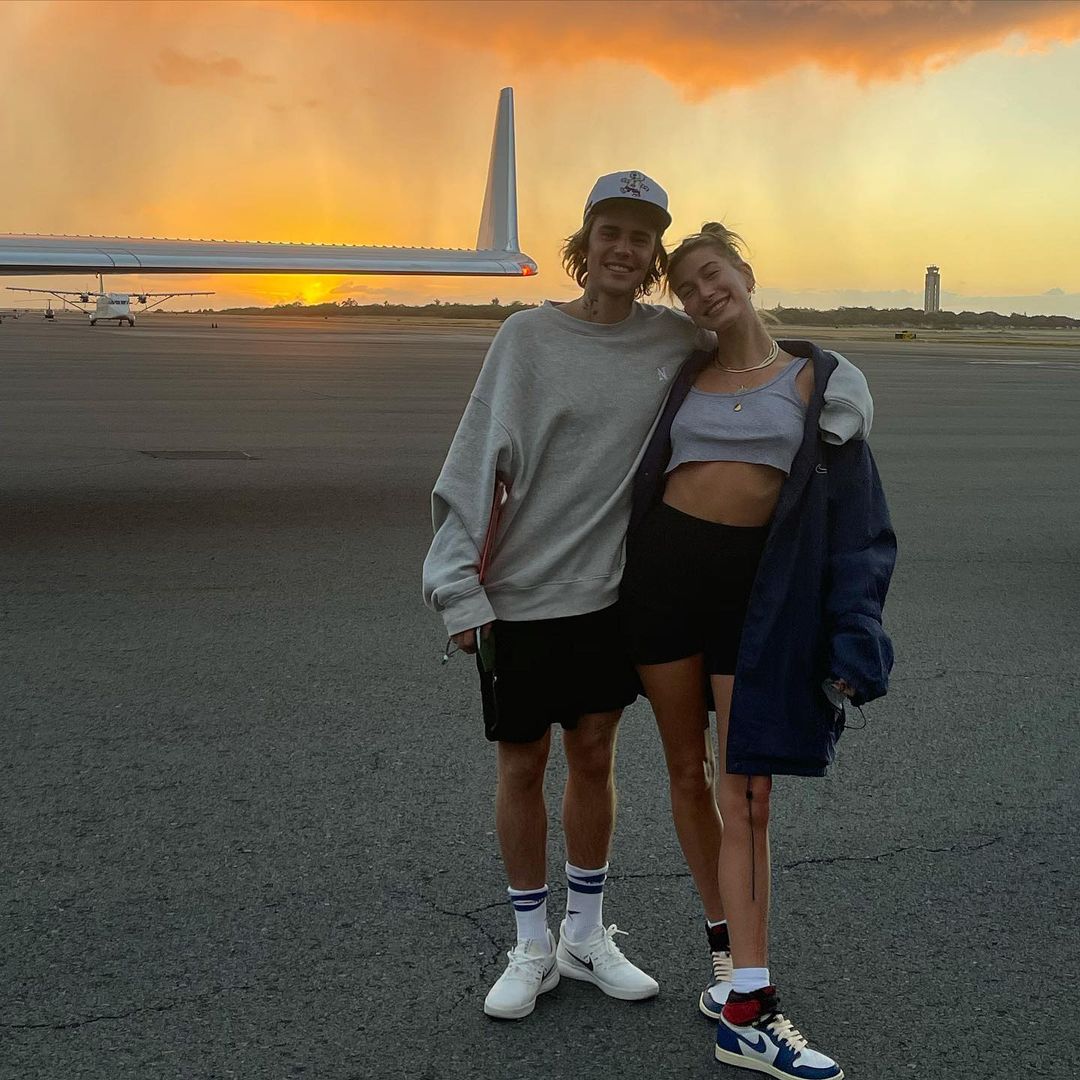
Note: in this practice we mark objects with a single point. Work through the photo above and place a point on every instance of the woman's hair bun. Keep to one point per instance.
(712, 232)
(721, 233)
(729, 243)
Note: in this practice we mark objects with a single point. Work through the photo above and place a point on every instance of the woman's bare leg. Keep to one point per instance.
(677, 697)
(744, 867)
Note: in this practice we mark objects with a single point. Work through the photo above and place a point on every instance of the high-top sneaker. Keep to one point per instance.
(752, 1033)
(716, 993)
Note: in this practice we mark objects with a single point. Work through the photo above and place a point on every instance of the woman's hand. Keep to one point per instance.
(847, 691)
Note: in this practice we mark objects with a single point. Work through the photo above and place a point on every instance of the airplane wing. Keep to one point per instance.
(142, 297)
(50, 292)
(496, 253)
(153, 299)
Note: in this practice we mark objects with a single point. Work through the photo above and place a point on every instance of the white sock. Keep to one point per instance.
(747, 980)
(584, 900)
(530, 913)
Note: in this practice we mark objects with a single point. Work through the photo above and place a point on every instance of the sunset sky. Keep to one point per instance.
(850, 143)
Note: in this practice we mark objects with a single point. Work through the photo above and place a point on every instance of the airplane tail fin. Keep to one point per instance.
(498, 220)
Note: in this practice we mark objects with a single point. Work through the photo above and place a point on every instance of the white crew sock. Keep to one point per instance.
(747, 980)
(530, 913)
(584, 901)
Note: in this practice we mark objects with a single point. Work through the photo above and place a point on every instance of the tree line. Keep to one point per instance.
(915, 319)
(899, 318)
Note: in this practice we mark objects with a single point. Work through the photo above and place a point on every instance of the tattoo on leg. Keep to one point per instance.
(753, 850)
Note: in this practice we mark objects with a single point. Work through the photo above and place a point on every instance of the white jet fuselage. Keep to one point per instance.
(113, 306)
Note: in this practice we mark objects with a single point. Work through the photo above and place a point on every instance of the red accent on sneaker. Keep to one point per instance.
(744, 1009)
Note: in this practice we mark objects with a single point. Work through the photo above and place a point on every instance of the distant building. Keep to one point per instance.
(932, 292)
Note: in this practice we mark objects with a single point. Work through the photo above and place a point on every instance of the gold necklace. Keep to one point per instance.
(774, 352)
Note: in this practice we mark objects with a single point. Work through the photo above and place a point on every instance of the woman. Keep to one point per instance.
(759, 558)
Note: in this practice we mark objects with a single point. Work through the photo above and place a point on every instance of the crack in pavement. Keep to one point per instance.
(942, 672)
(179, 1002)
(496, 946)
(650, 874)
(469, 916)
(830, 859)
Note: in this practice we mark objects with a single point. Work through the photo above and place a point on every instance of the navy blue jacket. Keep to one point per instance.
(815, 608)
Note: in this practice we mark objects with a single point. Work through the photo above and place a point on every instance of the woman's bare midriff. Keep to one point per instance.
(725, 492)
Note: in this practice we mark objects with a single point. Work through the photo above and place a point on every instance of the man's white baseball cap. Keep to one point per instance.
(630, 186)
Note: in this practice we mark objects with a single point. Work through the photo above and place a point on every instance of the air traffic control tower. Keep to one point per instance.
(932, 291)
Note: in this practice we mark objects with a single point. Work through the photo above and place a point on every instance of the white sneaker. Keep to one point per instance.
(532, 971)
(714, 996)
(598, 960)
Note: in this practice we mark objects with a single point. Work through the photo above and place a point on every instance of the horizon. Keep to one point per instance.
(948, 307)
(851, 148)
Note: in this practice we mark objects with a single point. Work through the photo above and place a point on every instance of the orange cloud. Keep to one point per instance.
(703, 47)
(174, 68)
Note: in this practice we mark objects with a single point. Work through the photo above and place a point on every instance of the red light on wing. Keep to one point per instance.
(527, 271)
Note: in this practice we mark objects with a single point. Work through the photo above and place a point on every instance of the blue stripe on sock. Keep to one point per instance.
(528, 901)
(526, 905)
(573, 886)
(587, 879)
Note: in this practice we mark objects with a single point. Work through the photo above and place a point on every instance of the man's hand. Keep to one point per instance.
(466, 640)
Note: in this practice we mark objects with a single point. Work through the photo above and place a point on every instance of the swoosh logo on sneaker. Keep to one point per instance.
(584, 963)
(758, 1047)
(762, 1048)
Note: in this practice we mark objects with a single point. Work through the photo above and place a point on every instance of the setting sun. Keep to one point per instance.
(851, 151)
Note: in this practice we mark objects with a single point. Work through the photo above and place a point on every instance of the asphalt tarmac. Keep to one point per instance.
(246, 817)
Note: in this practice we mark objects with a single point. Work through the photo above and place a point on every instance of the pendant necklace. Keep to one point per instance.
(774, 352)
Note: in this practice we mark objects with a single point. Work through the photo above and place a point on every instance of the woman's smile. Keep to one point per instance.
(717, 305)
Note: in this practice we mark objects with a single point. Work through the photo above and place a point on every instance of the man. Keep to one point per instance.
(560, 412)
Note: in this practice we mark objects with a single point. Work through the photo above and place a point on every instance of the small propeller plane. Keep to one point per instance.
(108, 306)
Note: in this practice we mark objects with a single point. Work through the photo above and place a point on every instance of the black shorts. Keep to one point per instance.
(686, 588)
(555, 671)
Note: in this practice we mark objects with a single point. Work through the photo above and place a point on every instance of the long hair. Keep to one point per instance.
(575, 256)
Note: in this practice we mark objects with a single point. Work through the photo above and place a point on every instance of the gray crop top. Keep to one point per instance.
(763, 425)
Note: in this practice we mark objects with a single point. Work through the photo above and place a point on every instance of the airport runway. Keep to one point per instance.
(245, 816)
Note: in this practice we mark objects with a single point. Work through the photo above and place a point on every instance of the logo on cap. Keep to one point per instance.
(632, 185)
(635, 184)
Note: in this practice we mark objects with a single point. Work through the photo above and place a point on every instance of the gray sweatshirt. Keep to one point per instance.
(562, 411)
